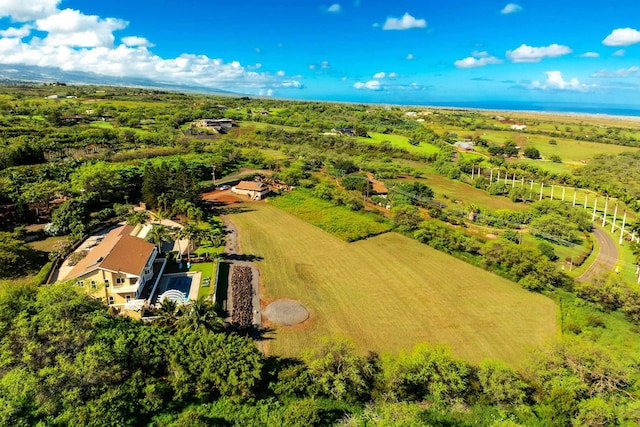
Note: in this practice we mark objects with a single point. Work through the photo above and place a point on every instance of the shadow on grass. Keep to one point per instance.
(242, 257)
(223, 286)
(230, 210)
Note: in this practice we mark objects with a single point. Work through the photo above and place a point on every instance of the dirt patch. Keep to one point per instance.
(222, 197)
(286, 312)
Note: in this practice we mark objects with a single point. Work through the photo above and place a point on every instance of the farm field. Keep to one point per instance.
(388, 293)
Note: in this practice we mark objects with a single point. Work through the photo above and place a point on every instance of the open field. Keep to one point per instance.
(337, 220)
(456, 190)
(388, 293)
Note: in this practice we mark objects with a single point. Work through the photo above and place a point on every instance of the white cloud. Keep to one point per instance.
(312, 66)
(380, 75)
(291, 84)
(405, 23)
(370, 85)
(535, 54)
(71, 28)
(325, 64)
(280, 73)
(27, 10)
(393, 75)
(410, 57)
(73, 41)
(137, 41)
(21, 32)
(555, 81)
(478, 59)
(344, 79)
(511, 8)
(619, 52)
(334, 8)
(622, 37)
(590, 55)
(622, 72)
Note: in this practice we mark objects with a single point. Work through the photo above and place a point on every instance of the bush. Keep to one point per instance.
(555, 158)
(547, 250)
(532, 153)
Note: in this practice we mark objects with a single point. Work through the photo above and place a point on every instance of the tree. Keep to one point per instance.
(200, 315)
(547, 250)
(406, 217)
(554, 226)
(532, 153)
(158, 235)
(70, 218)
(501, 384)
(138, 218)
(205, 364)
(337, 371)
(429, 371)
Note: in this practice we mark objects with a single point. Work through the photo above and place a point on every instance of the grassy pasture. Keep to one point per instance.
(399, 141)
(388, 293)
(456, 190)
(337, 220)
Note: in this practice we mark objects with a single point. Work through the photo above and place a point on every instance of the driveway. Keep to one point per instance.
(606, 259)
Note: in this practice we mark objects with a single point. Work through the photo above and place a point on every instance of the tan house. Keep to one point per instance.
(117, 269)
(254, 189)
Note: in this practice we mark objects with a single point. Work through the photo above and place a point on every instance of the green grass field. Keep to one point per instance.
(399, 141)
(458, 191)
(337, 220)
(388, 293)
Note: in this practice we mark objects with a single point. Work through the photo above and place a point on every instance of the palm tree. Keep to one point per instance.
(200, 315)
(190, 233)
(216, 238)
(169, 313)
(157, 235)
(138, 217)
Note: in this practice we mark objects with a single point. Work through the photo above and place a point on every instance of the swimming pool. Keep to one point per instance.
(182, 284)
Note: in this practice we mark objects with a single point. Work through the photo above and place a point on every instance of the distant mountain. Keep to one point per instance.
(21, 74)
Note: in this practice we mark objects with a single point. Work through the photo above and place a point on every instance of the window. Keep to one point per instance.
(128, 298)
(106, 283)
(120, 280)
(111, 301)
(80, 282)
(94, 285)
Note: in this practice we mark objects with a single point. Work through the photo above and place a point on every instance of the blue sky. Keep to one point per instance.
(574, 52)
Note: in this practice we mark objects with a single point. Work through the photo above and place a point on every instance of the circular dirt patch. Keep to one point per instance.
(286, 312)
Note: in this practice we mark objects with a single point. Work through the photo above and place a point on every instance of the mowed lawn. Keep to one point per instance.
(388, 293)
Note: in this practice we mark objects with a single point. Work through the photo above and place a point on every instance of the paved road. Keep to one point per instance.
(606, 259)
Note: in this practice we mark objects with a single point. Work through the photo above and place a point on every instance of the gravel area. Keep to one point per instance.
(286, 312)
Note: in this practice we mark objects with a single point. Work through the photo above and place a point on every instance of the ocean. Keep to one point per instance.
(628, 111)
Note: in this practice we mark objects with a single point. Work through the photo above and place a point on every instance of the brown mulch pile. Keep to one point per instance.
(242, 294)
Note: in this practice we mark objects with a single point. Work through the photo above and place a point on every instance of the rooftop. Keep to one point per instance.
(119, 251)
